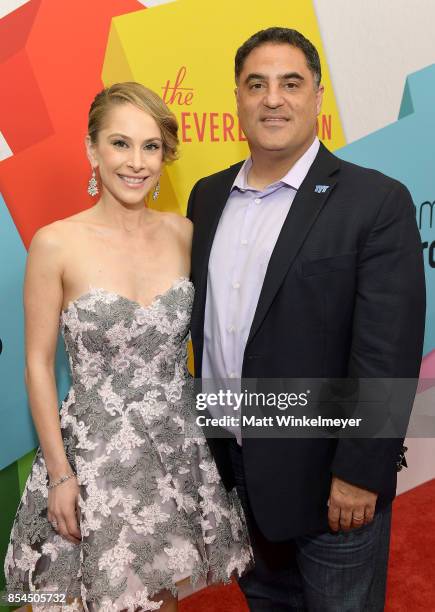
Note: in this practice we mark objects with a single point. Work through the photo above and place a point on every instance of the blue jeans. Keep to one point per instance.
(327, 572)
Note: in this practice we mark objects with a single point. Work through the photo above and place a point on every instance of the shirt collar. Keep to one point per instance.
(294, 176)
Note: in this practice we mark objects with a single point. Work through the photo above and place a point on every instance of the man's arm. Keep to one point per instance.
(191, 201)
(387, 342)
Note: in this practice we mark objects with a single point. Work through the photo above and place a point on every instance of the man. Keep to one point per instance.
(305, 266)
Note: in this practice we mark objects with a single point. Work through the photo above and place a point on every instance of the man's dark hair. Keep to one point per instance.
(280, 36)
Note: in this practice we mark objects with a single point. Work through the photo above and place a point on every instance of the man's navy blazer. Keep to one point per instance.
(343, 296)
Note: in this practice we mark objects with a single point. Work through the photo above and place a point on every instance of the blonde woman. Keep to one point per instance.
(121, 505)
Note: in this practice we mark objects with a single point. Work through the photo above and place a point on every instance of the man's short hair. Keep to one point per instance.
(280, 36)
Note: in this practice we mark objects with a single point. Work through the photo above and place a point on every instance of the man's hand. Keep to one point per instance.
(349, 506)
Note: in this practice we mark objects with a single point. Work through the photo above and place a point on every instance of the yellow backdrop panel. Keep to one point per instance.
(185, 51)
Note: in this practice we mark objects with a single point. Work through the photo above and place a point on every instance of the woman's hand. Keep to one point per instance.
(63, 510)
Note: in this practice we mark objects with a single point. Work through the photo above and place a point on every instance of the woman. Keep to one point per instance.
(133, 505)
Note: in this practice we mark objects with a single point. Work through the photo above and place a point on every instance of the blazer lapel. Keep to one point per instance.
(308, 203)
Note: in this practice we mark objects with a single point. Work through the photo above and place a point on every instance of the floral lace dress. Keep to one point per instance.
(152, 508)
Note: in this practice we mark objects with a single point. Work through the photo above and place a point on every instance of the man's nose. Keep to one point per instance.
(273, 97)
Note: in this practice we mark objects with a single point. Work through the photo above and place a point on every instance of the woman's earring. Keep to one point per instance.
(93, 185)
(156, 191)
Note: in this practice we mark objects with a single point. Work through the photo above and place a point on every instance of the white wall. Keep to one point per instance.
(371, 46)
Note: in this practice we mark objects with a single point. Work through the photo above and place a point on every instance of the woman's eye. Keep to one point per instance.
(152, 146)
(119, 143)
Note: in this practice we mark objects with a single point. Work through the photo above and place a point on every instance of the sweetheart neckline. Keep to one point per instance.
(156, 298)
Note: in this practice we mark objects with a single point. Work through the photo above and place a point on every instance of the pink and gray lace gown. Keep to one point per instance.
(153, 509)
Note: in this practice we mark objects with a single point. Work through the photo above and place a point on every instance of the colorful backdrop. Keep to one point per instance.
(56, 54)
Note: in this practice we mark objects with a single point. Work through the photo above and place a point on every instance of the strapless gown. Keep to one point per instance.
(153, 510)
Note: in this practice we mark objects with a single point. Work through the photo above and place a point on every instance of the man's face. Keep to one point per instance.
(278, 100)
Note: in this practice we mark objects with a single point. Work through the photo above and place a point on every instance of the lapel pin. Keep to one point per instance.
(321, 188)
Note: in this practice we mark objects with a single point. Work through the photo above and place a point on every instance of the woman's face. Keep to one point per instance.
(128, 154)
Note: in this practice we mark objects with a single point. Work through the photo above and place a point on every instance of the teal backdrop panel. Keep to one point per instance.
(17, 434)
(404, 150)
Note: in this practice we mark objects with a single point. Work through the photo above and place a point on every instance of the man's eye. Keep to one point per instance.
(119, 143)
(291, 85)
(256, 86)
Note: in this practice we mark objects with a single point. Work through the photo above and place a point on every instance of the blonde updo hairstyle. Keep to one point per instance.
(143, 98)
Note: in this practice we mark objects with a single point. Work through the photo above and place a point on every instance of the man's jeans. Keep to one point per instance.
(329, 572)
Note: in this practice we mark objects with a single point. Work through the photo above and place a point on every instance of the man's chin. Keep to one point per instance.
(274, 143)
(281, 148)
(273, 147)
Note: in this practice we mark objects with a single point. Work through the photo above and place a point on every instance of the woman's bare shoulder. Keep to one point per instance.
(179, 224)
(58, 234)
(48, 237)
(47, 248)
(84, 216)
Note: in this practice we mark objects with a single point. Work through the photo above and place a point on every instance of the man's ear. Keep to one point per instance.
(319, 98)
(236, 95)
(90, 152)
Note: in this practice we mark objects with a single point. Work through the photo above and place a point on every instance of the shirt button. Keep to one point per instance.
(231, 329)
(233, 375)
(244, 242)
(236, 285)
(257, 200)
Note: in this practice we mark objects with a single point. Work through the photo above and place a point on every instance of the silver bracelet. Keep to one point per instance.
(61, 480)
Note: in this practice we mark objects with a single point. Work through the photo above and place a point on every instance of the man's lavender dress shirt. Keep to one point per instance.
(245, 238)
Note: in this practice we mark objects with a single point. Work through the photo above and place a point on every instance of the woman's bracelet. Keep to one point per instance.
(60, 481)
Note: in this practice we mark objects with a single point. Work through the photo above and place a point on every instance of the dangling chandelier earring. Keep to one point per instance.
(93, 185)
(156, 191)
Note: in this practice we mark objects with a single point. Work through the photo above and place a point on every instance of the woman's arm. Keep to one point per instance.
(43, 296)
